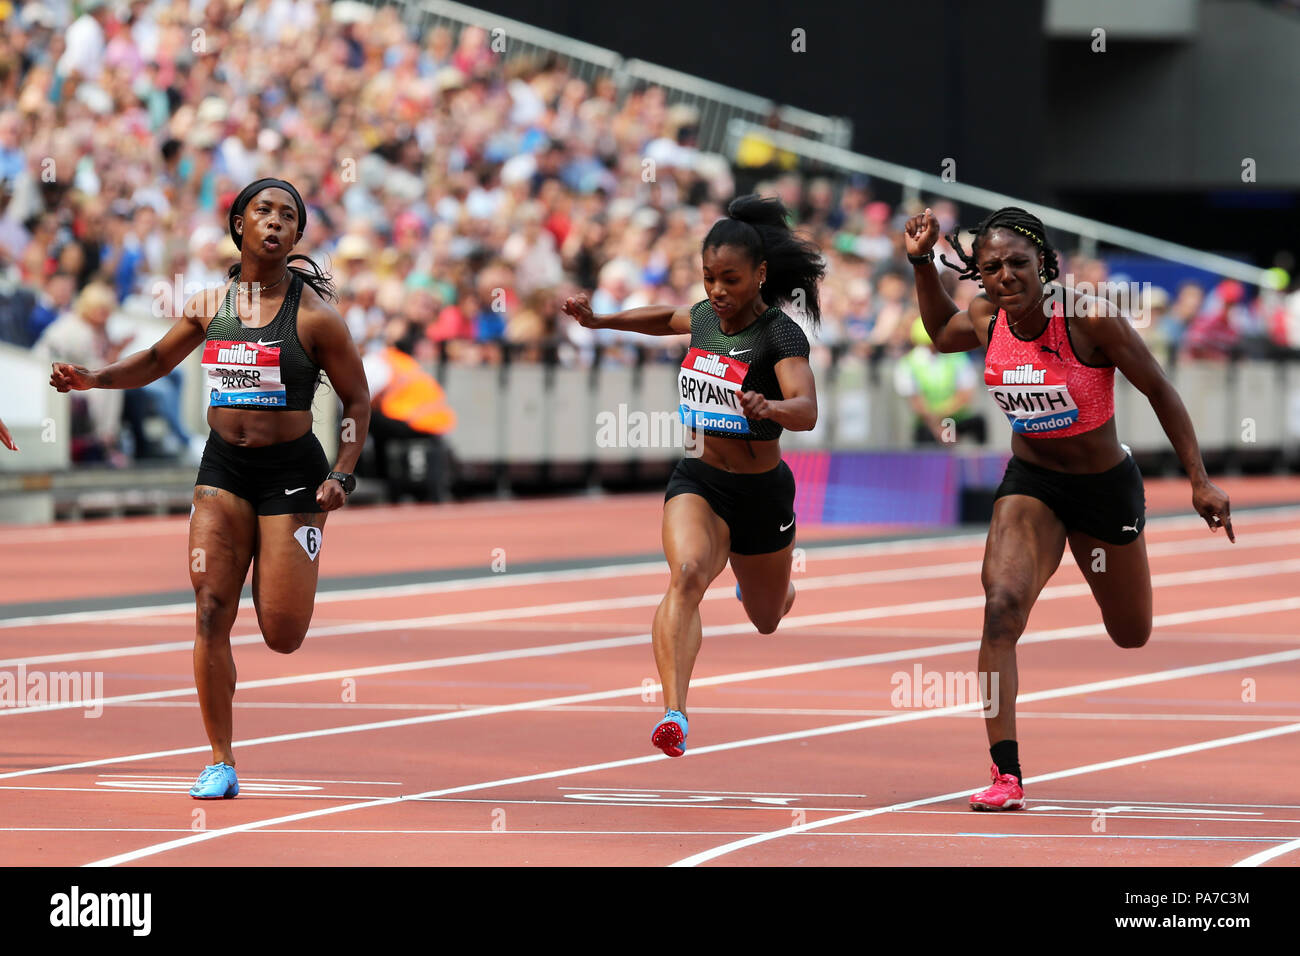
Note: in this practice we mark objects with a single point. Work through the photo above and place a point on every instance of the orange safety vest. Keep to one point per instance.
(414, 396)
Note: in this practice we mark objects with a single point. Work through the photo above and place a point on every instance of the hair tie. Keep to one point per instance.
(252, 189)
(1028, 233)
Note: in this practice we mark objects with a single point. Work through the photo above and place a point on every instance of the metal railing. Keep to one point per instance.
(1089, 232)
(717, 104)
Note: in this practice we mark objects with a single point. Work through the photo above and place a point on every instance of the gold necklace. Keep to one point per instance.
(247, 290)
(1012, 325)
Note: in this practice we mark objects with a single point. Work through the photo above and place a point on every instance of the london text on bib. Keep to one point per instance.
(1033, 396)
(243, 374)
(708, 385)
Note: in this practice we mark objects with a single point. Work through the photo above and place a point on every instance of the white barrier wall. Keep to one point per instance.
(38, 417)
(523, 413)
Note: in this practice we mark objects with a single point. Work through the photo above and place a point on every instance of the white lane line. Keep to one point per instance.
(1183, 816)
(888, 575)
(728, 793)
(641, 833)
(1097, 802)
(1158, 581)
(744, 711)
(1064, 633)
(668, 833)
(373, 514)
(1075, 690)
(525, 613)
(712, 854)
(1272, 853)
(142, 777)
(493, 581)
(180, 788)
(647, 801)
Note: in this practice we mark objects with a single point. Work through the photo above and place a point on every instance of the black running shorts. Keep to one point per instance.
(758, 508)
(1109, 505)
(275, 479)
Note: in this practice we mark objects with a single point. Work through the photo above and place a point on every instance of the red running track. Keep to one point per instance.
(505, 720)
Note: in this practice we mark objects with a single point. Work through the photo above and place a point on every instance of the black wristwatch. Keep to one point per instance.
(349, 482)
(921, 260)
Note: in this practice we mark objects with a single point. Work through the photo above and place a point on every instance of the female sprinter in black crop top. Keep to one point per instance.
(744, 379)
(264, 484)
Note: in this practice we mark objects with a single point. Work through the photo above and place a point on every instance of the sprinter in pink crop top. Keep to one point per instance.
(1050, 364)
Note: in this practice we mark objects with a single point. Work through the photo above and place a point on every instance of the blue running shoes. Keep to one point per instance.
(217, 782)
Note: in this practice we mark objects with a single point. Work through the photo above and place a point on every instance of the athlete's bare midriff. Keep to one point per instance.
(255, 428)
(734, 454)
(1095, 451)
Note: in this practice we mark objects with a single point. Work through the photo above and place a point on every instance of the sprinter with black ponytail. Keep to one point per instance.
(745, 378)
(264, 485)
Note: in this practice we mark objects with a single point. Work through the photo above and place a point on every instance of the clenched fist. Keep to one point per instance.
(579, 306)
(71, 378)
(920, 233)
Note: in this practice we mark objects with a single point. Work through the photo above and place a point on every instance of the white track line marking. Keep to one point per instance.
(667, 833)
(1075, 690)
(725, 793)
(1183, 816)
(921, 572)
(181, 788)
(1092, 802)
(1065, 633)
(493, 581)
(402, 514)
(144, 777)
(743, 711)
(1272, 853)
(1055, 592)
(373, 514)
(714, 853)
(503, 614)
(630, 802)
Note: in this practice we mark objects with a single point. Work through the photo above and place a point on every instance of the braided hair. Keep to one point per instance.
(317, 278)
(758, 226)
(1008, 217)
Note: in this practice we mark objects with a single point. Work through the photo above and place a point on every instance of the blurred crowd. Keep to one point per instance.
(457, 197)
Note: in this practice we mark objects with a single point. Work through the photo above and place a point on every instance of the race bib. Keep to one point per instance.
(1033, 396)
(709, 385)
(243, 374)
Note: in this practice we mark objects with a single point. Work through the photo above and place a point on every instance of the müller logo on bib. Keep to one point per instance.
(1034, 397)
(709, 386)
(239, 353)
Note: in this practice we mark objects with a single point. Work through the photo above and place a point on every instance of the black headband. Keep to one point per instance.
(251, 190)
